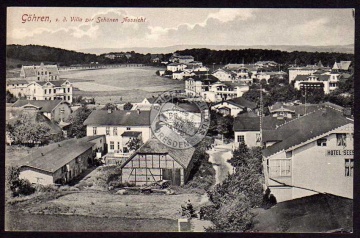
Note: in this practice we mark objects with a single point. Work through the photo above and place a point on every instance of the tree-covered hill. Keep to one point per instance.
(208, 56)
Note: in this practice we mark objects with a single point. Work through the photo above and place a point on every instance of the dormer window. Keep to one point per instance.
(321, 142)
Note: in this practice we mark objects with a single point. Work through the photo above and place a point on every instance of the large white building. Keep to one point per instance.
(221, 91)
(309, 155)
(40, 72)
(327, 82)
(17, 87)
(119, 127)
(50, 90)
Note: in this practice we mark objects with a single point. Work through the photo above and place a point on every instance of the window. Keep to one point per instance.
(49, 91)
(128, 128)
(45, 91)
(341, 139)
(279, 167)
(68, 90)
(63, 169)
(118, 145)
(241, 139)
(258, 137)
(321, 142)
(69, 98)
(111, 145)
(94, 130)
(107, 131)
(64, 90)
(288, 154)
(349, 167)
(115, 131)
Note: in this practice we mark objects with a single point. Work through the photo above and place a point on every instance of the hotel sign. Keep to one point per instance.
(339, 152)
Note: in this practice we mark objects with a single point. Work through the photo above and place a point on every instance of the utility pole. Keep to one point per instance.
(305, 100)
(261, 113)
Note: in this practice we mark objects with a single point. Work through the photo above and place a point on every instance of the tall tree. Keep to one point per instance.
(77, 127)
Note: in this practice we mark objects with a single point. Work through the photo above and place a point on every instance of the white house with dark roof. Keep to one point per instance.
(51, 90)
(17, 87)
(173, 67)
(56, 110)
(325, 82)
(305, 70)
(60, 162)
(155, 161)
(40, 72)
(113, 124)
(234, 106)
(224, 75)
(221, 91)
(309, 155)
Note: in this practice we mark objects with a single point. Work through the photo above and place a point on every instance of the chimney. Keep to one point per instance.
(109, 111)
(138, 111)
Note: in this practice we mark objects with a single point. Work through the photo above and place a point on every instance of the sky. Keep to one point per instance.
(178, 26)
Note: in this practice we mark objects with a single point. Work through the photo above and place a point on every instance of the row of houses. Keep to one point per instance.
(210, 89)
(319, 77)
(40, 82)
(306, 152)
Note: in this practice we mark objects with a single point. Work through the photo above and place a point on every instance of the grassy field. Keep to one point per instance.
(132, 84)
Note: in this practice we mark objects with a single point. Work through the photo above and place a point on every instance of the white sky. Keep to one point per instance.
(174, 26)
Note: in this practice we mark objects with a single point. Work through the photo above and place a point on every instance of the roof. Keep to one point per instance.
(35, 117)
(154, 146)
(243, 102)
(316, 123)
(204, 78)
(56, 83)
(20, 81)
(320, 77)
(44, 105)
(225, 70)
(131, 134)
(343, 65)
(151, 100)
(119, 118)
(30, 71)
(52, 157)
(316, 213)
(252, 123)
(296, 109)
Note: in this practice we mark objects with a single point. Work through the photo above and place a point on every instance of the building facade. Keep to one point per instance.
(40, 72)
(61, 89)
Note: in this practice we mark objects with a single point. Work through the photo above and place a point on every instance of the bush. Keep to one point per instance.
(24, 187)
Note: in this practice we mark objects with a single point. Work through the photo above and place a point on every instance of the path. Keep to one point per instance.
(219, 156)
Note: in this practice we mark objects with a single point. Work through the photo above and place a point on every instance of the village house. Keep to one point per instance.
(306, 70)
(222, 91)
(178, 75)
(195, 85)
(184, 59)
(324, 82)
(173, 67)
(224, 75)
(342, 67)
(60, 162)
(116, 125)
(17, 87)
(300, 162)
(234, 106)
(270, 75)
(144, 105)
(35, 116)
(51, 90)
(56, 110)
(154, 161)
(287, 110)
(247, 129)
(40, 72)
(266, 64)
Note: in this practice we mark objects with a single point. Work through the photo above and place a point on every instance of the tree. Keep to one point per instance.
(128, 106)
(239, 193)
(27, 131)
(134, 143)
(77, 128)
(110, 106)
(16, 185)
(10, 98)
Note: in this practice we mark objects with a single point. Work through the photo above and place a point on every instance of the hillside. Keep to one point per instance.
(347, 49)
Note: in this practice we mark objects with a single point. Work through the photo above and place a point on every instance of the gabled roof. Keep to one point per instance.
(151, 100)
(321, 77)
(225, 70)
(52, 157)
(343, 65)
(20, 81)
(56, 83)
(44, 105)
(251, 123)
(316, 124)
(243, 102)
(118, 118)
(30, 71)
(154, 146)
